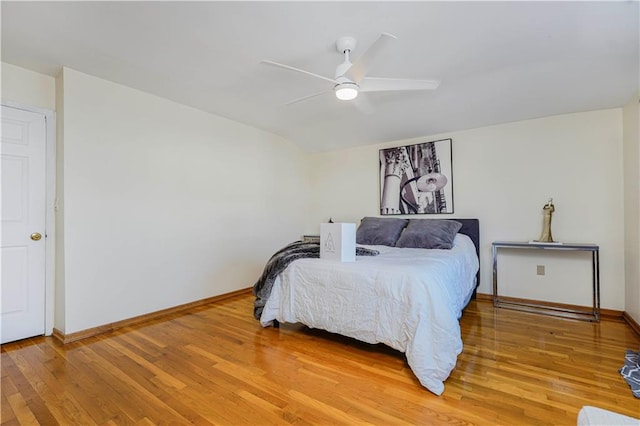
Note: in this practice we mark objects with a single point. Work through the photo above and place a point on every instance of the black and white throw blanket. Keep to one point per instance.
(631, 371)
(280, 260)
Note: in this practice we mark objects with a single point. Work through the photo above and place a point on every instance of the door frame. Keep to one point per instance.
(51, 202)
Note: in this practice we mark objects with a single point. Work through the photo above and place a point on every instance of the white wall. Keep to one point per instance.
(503, 175)
(631, 120)
(27, 87)
(165, 204)
(153, 213)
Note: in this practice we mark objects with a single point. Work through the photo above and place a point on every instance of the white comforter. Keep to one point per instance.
(408, 299)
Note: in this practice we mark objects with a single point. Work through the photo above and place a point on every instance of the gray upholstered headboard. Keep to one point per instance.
(471, 228)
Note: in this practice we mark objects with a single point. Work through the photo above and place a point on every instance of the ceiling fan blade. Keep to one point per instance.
(380, 84)
(363, 105)
(361, 65)
(304, 98)
(287, 67)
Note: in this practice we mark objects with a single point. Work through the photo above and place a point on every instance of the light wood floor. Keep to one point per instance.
(216, 365)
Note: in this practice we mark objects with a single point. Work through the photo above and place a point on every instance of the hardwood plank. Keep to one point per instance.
(21, 409)
(36, 381)
(7, 389)
(214, 364)
(137, 393)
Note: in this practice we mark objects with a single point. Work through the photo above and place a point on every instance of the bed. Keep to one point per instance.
(406, 297)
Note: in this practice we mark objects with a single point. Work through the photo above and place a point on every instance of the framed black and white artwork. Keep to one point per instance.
(417, 179)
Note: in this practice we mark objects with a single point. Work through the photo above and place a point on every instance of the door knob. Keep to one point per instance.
(36, 236)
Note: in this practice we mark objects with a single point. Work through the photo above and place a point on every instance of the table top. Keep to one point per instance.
(547, 246)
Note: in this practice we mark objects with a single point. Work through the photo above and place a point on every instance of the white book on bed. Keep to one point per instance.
(338, 241)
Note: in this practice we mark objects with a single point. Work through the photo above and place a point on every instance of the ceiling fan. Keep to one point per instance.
(351, 78)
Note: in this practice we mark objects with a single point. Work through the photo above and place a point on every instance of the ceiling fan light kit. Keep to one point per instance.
(351, 79)
(346, 91)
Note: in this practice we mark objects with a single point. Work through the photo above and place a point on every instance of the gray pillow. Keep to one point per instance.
(429, 234)
(381, 231)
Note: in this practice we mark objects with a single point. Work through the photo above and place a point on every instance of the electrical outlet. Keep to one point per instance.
(540, 270)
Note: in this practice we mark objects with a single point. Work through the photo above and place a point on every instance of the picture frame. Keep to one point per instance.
(417, 179)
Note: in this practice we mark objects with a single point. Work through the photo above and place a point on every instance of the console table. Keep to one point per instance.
(551, 309)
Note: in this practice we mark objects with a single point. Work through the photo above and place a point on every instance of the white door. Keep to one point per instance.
(22, 152)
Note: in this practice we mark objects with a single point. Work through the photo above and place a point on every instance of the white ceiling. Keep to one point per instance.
(497, 61)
